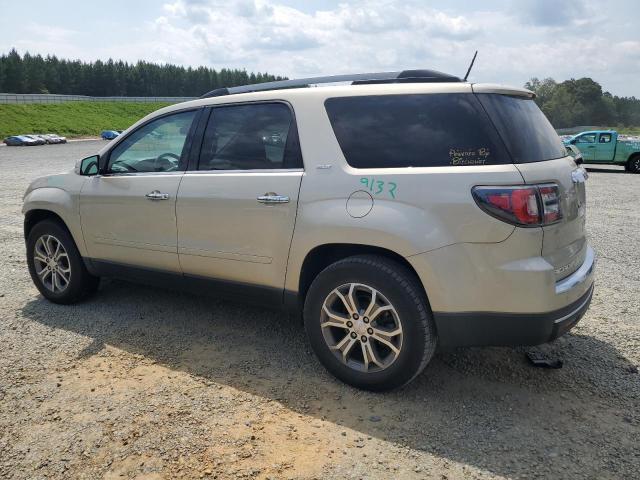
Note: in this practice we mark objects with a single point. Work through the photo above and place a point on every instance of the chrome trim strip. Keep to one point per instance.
(255, 170)
(576, 310)
(580, 275)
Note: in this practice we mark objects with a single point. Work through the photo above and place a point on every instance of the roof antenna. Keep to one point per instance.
(470, 66)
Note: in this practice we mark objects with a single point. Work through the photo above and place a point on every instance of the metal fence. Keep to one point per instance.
(19, 98)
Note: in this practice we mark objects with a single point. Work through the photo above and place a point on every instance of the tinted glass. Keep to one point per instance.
(156, 147)
(389, 131)
(250, 137)
(527, 133)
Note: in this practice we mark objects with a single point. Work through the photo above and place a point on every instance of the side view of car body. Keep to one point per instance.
(605, 147)
(398, 212)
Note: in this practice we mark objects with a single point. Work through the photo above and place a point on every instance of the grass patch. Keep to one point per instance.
(72, 119)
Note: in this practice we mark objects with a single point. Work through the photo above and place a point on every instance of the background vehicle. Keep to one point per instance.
(109, 134)
(604, 147)
(19, 141)
(35, 139)
(52, 138)
(426, 210)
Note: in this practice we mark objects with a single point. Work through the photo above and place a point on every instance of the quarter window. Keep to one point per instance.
(387, 131)
(250, 137)
(158, 146)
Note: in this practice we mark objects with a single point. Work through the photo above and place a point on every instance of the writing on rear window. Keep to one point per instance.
(469, 156)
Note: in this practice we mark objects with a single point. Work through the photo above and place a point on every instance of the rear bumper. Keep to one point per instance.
(509, 329)
(517, 303)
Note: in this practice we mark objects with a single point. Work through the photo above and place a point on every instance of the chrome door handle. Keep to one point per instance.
(156, 195)
(271, 197)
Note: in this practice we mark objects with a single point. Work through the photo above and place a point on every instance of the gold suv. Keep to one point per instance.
(396, 211)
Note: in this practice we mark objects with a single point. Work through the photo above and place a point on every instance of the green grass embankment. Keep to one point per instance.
(71, 119)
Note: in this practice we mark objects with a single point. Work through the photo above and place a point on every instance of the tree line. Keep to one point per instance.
(582, 102)
(37, 74)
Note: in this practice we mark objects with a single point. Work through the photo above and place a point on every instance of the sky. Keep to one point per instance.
(516, 39)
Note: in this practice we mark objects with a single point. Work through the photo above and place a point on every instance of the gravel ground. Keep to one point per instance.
(144, 383)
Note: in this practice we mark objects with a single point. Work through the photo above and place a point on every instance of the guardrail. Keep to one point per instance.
(20, 98)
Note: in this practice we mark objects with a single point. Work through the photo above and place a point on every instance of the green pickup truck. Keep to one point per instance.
(603, 146)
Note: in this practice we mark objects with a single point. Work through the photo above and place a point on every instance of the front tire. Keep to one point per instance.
(368, 321)
(55, 265)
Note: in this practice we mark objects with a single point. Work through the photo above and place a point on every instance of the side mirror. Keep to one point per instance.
(88, 166)
(579, 160)
(573, 142)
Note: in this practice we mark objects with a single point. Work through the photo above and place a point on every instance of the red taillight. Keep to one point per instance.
(524, 205)
(550, 199)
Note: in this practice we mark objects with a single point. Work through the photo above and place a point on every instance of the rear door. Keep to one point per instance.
(236, 209)
(538, 153)
(605, 148)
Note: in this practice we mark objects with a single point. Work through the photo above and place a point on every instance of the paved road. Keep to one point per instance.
(144, 383)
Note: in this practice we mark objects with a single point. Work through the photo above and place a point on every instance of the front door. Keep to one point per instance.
(128, 212)
(236, 211)
(586, 143)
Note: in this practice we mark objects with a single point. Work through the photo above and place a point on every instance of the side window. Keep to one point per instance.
(605, 138)
(586, 138)
(250, 137)
(427, 130)
(158, 146)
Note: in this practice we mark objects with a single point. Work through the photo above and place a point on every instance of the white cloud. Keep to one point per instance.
(516, 39)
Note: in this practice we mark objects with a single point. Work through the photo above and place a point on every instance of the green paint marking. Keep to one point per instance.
(392, 190)
(380, 185)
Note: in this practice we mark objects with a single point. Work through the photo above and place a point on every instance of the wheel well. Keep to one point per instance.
(321, 257)
(32, 217)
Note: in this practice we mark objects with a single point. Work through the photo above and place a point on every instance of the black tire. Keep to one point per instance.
(401, 288)
(633, 165)
(81, 282)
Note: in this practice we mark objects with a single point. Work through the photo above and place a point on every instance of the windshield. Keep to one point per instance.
(526, 132)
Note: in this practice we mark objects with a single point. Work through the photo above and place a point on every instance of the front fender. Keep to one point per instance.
(61, 203)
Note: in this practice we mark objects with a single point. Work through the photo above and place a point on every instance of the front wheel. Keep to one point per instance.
(369, 323)
(55, 265)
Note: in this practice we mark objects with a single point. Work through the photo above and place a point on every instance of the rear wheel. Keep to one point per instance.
(369, 323)
(633, 165)
(55, 265)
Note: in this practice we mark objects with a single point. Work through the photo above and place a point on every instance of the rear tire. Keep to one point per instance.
(633, 165)
(55, 265)
(382, 352)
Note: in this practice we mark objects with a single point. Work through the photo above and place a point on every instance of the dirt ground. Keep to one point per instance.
(149, 384)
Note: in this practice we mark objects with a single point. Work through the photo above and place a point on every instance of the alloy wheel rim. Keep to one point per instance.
(361, 327)
(51, 263)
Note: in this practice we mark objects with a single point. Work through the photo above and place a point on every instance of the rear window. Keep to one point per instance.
(388, 131)
(527, 133)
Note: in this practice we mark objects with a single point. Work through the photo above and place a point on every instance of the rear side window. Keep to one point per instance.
(388, 131)
(250, 137)
(527, 133)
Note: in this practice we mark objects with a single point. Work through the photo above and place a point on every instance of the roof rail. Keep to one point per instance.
(405, 76)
